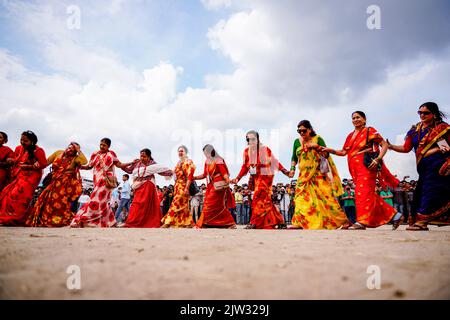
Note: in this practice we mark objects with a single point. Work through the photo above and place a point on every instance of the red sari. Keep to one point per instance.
(217, 203)
(145, 210)
(16, 197)
(371, 210)
(265, 215)
(5, 153)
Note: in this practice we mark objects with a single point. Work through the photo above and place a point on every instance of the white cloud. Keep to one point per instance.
(292, 62)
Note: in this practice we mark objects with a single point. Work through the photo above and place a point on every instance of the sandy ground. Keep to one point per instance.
(224, 264)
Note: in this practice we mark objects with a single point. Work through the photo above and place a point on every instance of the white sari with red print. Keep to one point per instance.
(97, 212)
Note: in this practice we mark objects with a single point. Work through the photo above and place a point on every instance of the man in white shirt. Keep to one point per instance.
(124, 203)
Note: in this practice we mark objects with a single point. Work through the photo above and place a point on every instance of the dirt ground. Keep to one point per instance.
(224, 264)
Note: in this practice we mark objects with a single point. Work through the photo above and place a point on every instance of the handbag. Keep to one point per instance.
(111, 182)
(220, 185)
(193, 188)
(371, 155)
(324, 165)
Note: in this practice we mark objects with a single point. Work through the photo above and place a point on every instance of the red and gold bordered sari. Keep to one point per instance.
(179, 215)
(371, 210)
(5, 153)
(53, 207)
(431, 201)
(265, 215)
(217, 203)
(16, 197)
(97, 212)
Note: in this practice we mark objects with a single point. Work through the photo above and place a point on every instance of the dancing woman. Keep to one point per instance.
(430, 139)
(53, 207)
(218, 197)
(179, 215)
(371, 210)
(262, 165)
(96, 212)
(5, 154)
(145, 210)
(316, 206)
(28, 162)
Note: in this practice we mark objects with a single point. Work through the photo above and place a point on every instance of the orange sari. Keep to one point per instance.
(179, 215)
(371, 210)
(217, 203)
(265, 215)
(53, 207)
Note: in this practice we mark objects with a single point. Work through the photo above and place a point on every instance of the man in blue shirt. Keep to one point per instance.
(124, 199)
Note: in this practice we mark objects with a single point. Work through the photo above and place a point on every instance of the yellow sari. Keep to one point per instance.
(316, 206)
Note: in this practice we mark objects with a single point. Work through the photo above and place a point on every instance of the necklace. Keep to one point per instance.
(143, 172)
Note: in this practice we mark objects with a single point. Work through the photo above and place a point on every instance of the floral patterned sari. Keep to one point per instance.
(316, 206)
(97, 212)
(265, 215)
(179, 215)
(53, 207)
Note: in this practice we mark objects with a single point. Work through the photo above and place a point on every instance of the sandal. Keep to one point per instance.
(417, 227)
(397, 223)
(250, 226)
(282, 226)
(357, 226)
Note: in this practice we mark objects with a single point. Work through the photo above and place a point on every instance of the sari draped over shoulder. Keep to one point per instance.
(97, 212)
(265, 215)
(145, 210)
(53, 207)
(16, 197)
(179, 215)
(371, 209)
(316, 206)
(5, 171)
(217, 203)
(431, 201)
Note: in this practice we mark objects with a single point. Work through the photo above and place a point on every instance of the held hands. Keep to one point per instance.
(389, 144)
(234, 181)
(291, 174)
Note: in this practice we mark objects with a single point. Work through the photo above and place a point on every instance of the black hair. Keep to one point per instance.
(362, 114)
(434, 109)
(307, 125)
(213, 151)
(107, 141)
(147, 152)
(254, 132)
(5, 136)
(126, 175)
(33, 138)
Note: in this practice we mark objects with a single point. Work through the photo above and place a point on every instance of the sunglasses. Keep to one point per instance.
(424, 113)
(250, 139)
(302, 131)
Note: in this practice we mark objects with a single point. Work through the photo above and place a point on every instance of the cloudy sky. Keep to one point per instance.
(161, 73)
